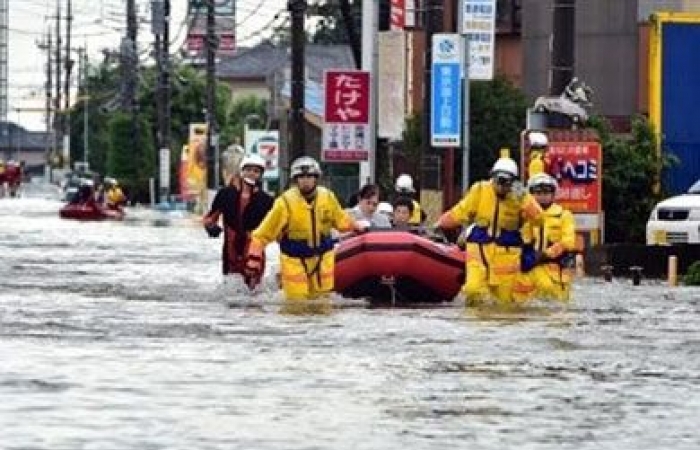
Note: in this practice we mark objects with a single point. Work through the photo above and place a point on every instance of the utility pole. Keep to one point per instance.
(297, 147)
(563, 34)
(351, 31)
(57, 117)
(50, 147)
(212, 44)
(68, 66)
(432, 19)
(82, 52)
(129, 68)
(160, 27)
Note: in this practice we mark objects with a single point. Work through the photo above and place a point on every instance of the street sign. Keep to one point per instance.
(346, 116)
(446, 91)
(478, 25)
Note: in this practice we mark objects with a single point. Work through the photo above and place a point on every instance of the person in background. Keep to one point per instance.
(404, 188)
(301, 220)
(366, 209)
(494, 210)
(403, 210)
(539, 160)
(548, 258)
(243, 205)
(114, 197)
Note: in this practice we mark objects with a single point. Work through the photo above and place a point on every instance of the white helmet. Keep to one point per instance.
(385, 208)
(505, 166)
(404, 183)
(537, 139)
(305, 165)
(253, 160)
(541, 180)
(111, 181)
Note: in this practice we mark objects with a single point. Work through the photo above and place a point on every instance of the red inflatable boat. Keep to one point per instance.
(90, 211)
(398, 267)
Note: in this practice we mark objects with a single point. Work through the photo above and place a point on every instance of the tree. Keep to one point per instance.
(497, 116)
(630, 174)
(132, 166)
(242, 110)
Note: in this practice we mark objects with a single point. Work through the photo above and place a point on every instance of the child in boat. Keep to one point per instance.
(403, 210)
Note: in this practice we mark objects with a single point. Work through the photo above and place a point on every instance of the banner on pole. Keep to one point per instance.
(346, 116)
(478, 25)
(446, 91)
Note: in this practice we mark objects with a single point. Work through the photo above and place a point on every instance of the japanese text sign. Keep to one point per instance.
(346, 116)
(347, 96)
(577, 167)
(446, 91)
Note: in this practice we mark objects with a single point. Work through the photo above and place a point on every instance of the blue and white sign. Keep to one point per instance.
(446, 91)
(478, 19)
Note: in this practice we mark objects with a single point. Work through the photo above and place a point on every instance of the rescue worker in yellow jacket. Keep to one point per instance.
(301, 219)
(494, 211)
(114, 196)
(549, 248)
(404, 188)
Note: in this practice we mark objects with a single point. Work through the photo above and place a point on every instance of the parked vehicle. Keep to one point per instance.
(676, 220)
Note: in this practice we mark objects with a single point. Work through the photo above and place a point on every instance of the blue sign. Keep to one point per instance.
(446, 91)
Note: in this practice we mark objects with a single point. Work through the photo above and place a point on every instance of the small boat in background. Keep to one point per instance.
(398, 268)
(90, 211)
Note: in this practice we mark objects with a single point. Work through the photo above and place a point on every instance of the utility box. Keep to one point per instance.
(674, 93)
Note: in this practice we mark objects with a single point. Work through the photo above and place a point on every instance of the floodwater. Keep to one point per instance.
(124, 336)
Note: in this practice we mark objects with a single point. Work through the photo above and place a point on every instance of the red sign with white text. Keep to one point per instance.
(577, 166)
(398, 15)
(347, 96)
(346, 116)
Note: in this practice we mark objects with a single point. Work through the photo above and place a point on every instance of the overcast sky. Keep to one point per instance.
(97, 24)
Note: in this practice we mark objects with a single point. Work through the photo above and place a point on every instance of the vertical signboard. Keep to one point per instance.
(391, 81)
(346, 116)
(446, 91)
(225, 18)
(478, 26)
(397, 20)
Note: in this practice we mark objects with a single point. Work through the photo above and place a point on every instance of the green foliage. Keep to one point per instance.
(692, 277)
(251, 108)
(131, 155)
(630, 173)
(497, 116)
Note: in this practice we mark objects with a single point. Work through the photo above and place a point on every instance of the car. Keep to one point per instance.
(676, 220)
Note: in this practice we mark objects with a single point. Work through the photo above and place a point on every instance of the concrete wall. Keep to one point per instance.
(606, 54)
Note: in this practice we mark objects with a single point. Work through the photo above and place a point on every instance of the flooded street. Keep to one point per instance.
(123, 335)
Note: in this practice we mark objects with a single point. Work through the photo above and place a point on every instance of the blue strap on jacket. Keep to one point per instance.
(300, 249)
(479, 235)
(528, 258)
(509, 238)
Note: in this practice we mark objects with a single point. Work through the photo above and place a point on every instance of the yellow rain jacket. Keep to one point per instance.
(417, 215)
(555, 240)
(115, 197)
(303, 230)
(494, 242)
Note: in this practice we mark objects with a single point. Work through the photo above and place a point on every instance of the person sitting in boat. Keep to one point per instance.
(366, 208)
(301, 219)
(548, 257)
(403, 210)
(85, 194)
(404, 188)
(114, 196)
(243, 205)
(496, 209)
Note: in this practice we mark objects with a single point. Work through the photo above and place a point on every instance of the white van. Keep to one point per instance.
(676, 220)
